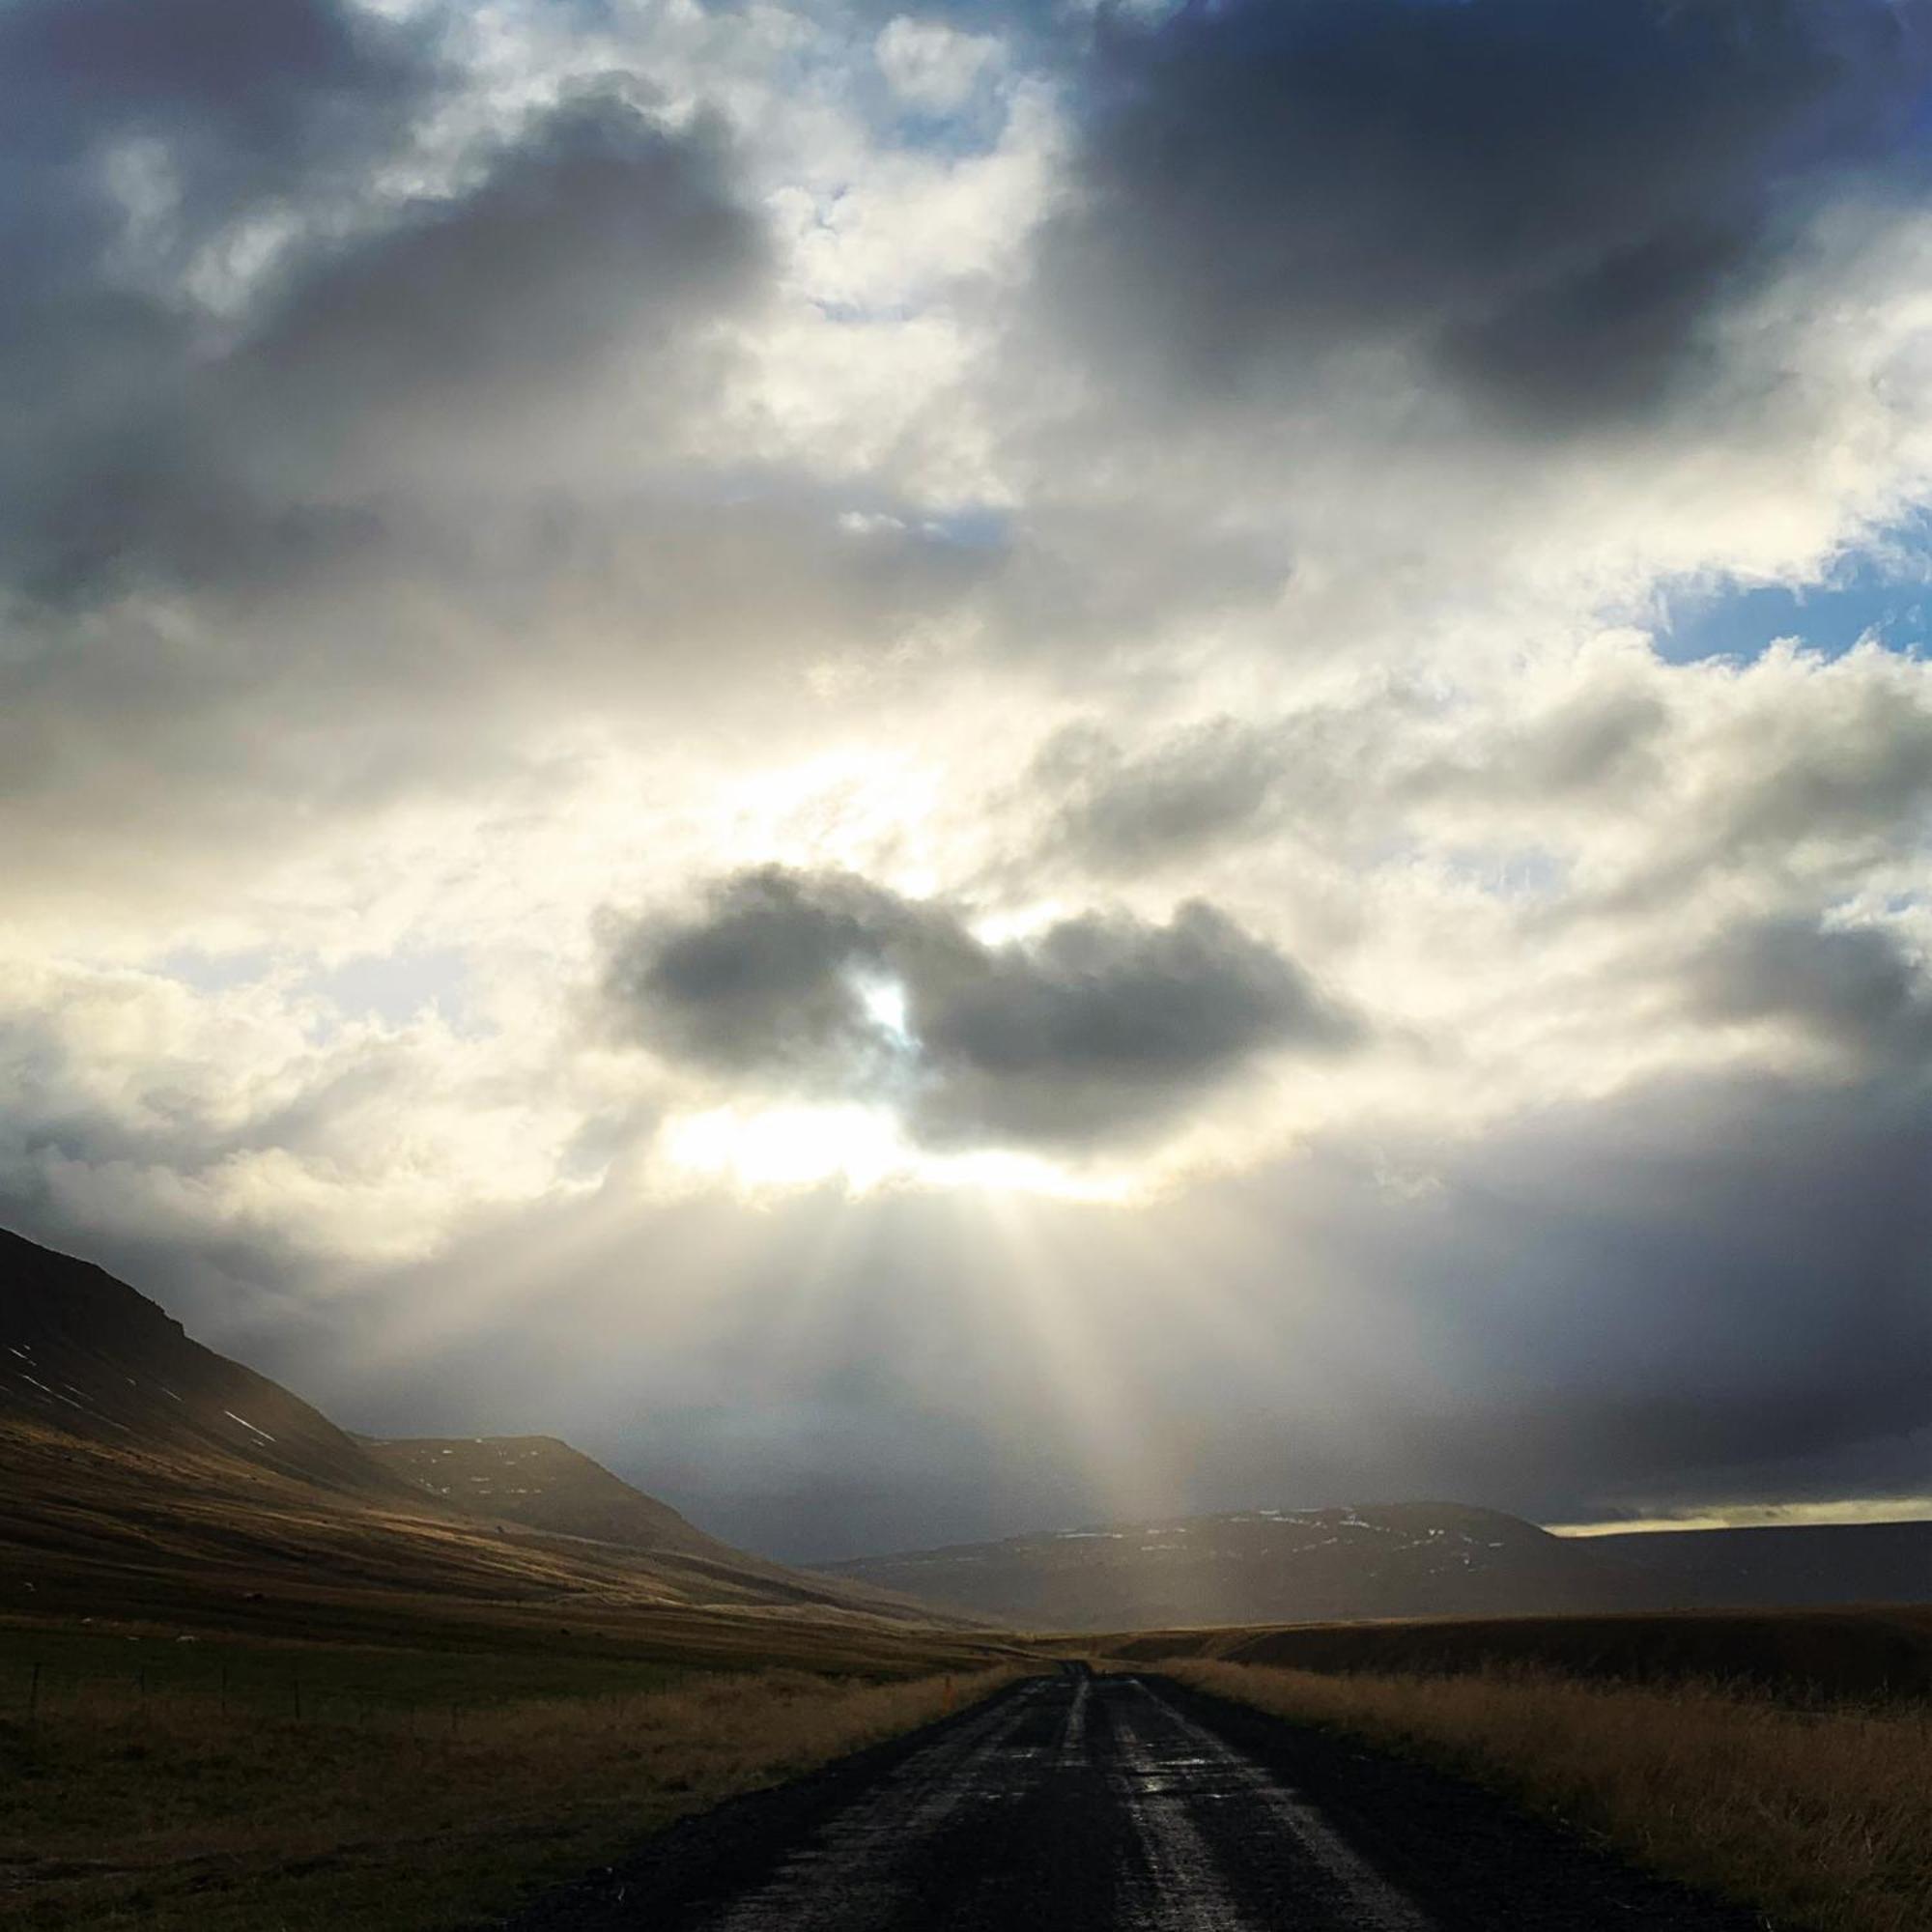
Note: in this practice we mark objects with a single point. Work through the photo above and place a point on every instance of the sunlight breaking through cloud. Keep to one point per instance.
(1078, 700)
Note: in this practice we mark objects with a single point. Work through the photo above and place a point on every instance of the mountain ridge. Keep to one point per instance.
(1343, 1563)
(133, 1452)
(1264, 1565)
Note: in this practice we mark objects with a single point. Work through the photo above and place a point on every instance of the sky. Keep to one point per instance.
(947, 770)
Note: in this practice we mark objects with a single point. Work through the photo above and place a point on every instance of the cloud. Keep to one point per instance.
(1542, 207)
(1091, 572)
(416, 349)
(596, 231)
(1649, 1298)
(931, 66)
(240, 101)
(1854, 987)
(1091, 1029)
(1192, 790)
(253, 1121)
(140, 143)
(349, 407)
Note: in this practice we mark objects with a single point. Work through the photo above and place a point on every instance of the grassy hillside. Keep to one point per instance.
(91, 1528)
(146, 1474)
(543, 1483)
(89, 1356)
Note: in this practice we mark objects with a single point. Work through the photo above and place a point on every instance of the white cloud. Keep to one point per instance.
(930, 65)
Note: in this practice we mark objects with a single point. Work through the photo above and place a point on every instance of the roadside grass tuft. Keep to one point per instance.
(1820, 1815)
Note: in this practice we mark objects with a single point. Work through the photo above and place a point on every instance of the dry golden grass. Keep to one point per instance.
(170, 1813)
(1821, 1816)
(1870, 1651)
(88, 1525)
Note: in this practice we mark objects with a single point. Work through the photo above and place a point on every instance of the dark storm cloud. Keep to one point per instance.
(1852, 986)
(263, 448)
(246, 97)
(1703, 1288)
(596, 227)
(212, 112)
(1545, 203)
(1096, 1026)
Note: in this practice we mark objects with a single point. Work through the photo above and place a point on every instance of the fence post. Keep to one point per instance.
(33, 1699)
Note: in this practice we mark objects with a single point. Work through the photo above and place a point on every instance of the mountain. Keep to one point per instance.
(544, 1483)
(85, 1354)
(137, 1466)
(1394, 1560)
(1263, 1566)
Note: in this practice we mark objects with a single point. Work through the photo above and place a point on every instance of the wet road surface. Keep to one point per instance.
(1079, 1803)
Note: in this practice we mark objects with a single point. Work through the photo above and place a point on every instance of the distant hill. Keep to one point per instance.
(1263, 1566)
(136, 1463)
(1394, 1560)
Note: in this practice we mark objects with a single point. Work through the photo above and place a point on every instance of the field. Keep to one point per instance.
(1882, 1652)
(1755, 1758)
(235, 1782)
(268, 1758)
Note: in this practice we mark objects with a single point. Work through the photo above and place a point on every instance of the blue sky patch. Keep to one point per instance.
(1885, 591)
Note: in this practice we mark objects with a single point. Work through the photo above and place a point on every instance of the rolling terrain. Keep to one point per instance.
(1426, 1560)
(1263, 1566)
(542, 1483)
(145, 1473)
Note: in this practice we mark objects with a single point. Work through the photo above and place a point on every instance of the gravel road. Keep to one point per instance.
(1079, 1803)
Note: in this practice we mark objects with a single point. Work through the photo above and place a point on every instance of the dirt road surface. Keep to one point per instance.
(1079, 1803)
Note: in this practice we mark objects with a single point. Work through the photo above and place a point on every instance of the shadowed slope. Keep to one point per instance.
(544, 1483)
(142, 1469)
(89, 1356)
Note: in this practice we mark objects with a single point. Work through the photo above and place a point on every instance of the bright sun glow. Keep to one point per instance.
(788, 1147)
(863, 1147)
